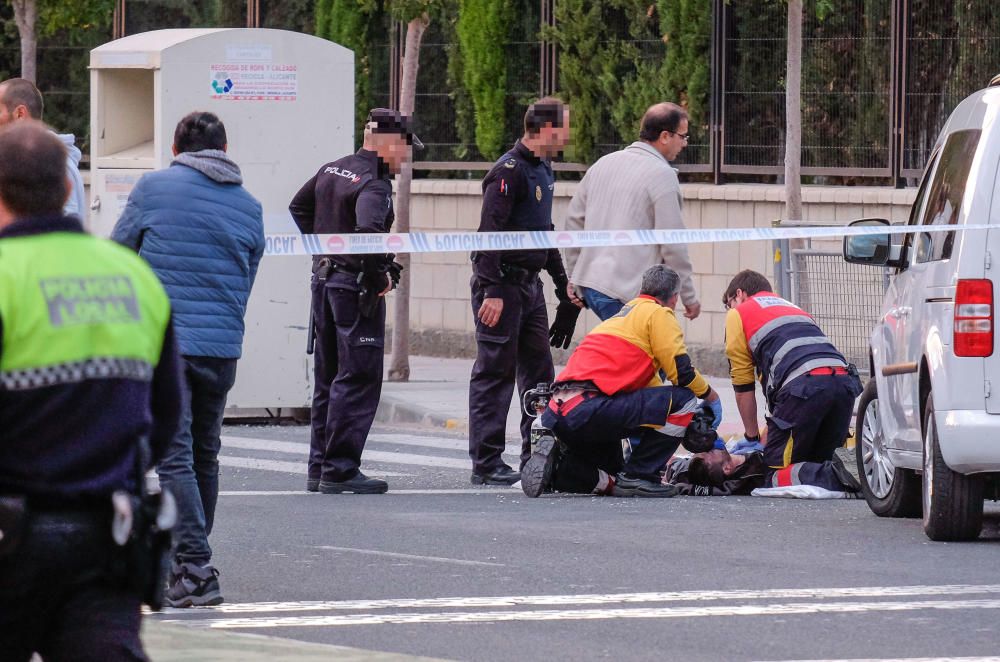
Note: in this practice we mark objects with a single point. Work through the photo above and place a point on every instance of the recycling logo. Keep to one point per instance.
(222, 83)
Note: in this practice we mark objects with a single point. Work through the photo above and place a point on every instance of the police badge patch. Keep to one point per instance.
(538, 193)
(510, 163)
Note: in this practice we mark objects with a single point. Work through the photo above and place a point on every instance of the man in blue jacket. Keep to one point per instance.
(203, 235)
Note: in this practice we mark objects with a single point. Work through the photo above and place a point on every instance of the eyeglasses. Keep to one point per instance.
(729, 302)
(682, 136)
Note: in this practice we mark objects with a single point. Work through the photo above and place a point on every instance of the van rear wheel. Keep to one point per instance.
(889, 490)
(953, 502)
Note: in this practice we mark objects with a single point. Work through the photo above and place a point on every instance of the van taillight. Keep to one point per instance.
(974, 318)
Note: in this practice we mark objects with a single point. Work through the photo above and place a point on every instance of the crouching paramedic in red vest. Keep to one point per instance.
(810, 388)
(611, 389)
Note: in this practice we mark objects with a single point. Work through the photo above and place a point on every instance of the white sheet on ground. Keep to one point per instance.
(800, 492)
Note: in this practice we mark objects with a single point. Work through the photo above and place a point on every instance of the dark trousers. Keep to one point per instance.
(591, 428)
(809, 420)
(347, 369)
(59, 597)
(190, 468)
(515, 350)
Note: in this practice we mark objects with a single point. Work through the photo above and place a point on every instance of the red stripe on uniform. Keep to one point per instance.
(784, 476)
(683, 420)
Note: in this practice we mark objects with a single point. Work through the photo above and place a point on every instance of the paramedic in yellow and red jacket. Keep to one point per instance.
(611, 389)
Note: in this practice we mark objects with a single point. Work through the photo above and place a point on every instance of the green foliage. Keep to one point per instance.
(73, 16)
(353, 24)
(465, 110)
(482, 31)
(407, 10)
(618, 57)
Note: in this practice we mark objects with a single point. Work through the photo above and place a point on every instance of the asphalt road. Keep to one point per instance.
(438, 568)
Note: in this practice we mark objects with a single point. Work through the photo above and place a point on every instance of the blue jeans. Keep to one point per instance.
(190, 468)
(602, 305)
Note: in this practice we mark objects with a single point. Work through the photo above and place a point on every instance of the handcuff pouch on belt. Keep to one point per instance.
(323, 267)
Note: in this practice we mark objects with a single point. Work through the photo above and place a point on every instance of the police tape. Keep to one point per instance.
(451, 242)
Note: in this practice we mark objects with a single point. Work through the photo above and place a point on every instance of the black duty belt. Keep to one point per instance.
(325, 266)
(515, 274)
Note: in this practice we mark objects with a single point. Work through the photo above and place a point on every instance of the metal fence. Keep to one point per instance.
(844, 299)
(879, 80)
(879, 77)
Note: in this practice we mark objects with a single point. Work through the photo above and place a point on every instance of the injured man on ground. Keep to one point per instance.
(719, 473)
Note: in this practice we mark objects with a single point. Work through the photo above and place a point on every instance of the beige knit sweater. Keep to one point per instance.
(632, 189)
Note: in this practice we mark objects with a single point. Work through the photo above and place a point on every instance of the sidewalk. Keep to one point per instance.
(437, 395)
(166, 642)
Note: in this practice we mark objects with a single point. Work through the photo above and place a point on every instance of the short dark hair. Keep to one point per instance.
(547, 110)
(200, 130)
(16, 92)
(747, 280)
(661, 117)
(32, 170)
(703, 473)
(660, 281)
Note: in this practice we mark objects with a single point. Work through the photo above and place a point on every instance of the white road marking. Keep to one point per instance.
(299, 468)
(908, 659)
(409, 557)
(786, 609)
(609, 598)
(389, 457)
(392, 492)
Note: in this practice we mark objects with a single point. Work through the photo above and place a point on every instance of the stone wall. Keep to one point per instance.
(441, 317)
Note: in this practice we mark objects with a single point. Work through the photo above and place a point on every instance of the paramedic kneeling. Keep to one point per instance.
(611, 389)
(810, 388)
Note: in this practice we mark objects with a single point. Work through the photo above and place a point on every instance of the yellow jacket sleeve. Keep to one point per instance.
(738, 352)
(666, 341)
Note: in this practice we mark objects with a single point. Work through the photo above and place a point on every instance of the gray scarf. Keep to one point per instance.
(213, 163)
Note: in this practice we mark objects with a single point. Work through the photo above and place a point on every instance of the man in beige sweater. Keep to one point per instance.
(632, 189)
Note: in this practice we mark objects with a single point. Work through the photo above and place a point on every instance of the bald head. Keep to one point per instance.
(19, 99)
(32, 171)
(665, 128)
(661, 117)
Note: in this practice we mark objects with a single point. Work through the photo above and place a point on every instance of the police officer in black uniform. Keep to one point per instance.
(512, 331)
(352, 194)
(90, 396)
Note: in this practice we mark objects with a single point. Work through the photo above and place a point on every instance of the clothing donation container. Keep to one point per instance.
(287, 101)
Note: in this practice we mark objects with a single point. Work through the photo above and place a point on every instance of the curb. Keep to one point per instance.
(392, 409)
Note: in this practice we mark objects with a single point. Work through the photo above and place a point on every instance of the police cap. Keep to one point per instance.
(385, 120)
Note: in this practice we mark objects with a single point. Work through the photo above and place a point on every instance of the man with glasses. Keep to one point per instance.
(632, 189)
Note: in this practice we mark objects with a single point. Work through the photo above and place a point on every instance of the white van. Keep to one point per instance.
(928, 428)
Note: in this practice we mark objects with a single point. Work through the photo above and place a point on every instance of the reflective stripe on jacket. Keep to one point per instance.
(627, 351)
(778, 339)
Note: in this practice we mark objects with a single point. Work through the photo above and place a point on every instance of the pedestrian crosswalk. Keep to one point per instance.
(387, 454)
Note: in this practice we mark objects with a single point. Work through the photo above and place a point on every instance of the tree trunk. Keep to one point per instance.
(399, 361)
(26, 17)
(793, 114)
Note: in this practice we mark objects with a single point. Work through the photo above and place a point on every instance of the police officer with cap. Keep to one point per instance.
(512, 330)
(351, 194)
(90, 397)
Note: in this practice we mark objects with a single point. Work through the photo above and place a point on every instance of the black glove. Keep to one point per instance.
(394, 270)
(561, 331)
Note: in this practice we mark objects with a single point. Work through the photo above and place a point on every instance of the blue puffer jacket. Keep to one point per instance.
(203, 235)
